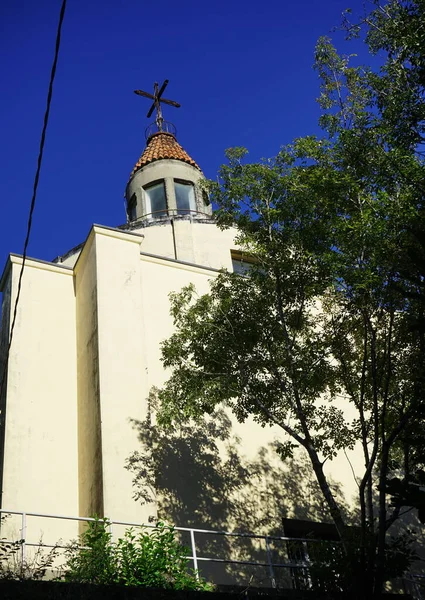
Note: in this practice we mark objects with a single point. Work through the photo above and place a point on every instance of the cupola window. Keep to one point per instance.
(156, 204)
(185, 197)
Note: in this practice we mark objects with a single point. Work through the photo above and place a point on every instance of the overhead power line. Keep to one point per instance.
(35, 187)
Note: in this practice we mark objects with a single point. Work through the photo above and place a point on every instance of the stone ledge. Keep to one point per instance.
(53, 590)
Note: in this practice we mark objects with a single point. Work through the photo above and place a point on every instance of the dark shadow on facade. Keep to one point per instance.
(200, 478)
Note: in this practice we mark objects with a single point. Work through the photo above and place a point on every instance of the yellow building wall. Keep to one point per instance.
(122, 370)
(194, 241)
(41, 409)
(85, 357)
(90, 476)
(248, 439)
(40, 471)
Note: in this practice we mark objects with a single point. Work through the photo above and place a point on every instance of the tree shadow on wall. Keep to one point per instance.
(199, 478)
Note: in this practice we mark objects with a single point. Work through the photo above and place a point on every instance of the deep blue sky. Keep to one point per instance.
(241, 69)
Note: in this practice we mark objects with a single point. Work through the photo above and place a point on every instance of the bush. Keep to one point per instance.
(146, 558)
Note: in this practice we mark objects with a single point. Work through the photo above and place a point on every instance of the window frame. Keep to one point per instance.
(191, 185)
(148, 202)
(243, 261)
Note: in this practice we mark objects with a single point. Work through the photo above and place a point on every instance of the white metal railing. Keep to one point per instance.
(194, 557)
(291, 565)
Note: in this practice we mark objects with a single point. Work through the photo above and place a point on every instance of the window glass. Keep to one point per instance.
(240, 267)
(242, 262)
(185, 197)
(156, 203)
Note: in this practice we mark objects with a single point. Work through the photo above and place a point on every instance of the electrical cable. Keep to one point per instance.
(35, 187)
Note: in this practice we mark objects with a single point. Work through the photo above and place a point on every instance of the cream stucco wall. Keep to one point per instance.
(122, 373)
(100, 360)
(90, 478)
(41, 411)
(190, 240)
(182, 237)
(85, 356)
(40, 471)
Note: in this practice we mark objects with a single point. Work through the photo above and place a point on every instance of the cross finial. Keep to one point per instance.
(157, 99)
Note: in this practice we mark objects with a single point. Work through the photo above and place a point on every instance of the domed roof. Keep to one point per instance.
(163, 145)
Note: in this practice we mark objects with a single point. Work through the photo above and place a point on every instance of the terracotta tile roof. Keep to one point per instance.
(163, 145)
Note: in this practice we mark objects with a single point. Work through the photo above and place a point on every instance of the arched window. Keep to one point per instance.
(156, 203)
(185, 197)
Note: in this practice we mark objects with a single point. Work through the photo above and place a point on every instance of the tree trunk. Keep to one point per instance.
(328, 495)
(382, 516)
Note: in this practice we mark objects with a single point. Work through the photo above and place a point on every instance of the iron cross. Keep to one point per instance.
(157, 99)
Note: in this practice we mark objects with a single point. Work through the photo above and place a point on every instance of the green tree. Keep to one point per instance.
(331, 314)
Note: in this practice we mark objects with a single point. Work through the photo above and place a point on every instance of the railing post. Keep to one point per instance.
(308, 561)
(270, 562)
(23, 540)
(194, 556)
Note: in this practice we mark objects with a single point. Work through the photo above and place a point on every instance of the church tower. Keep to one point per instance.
(86, 346)
(165, 182)
(165, 193)
(86, 355)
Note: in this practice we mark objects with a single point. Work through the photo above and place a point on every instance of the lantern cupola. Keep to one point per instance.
(165, 181)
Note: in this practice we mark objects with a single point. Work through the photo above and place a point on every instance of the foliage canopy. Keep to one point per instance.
(324, 336)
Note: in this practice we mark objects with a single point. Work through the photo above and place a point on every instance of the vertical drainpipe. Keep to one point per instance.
(174, 237)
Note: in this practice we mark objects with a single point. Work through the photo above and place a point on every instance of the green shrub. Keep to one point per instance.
(147, 558)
